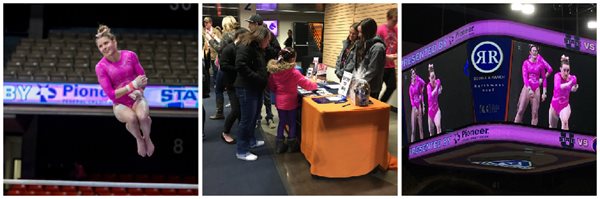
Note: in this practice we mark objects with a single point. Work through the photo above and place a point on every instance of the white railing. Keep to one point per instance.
(102, 184)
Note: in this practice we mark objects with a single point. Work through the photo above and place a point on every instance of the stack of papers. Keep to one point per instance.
(304, 92)
(335, 98)
(333, 86)
(322, 91)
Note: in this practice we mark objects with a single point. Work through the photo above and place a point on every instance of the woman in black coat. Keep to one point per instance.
(249, 84)
(229, 75)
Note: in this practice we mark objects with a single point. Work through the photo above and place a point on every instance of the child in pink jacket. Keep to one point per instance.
(283, 81)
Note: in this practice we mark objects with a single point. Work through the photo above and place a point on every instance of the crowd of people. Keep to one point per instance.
(249, 64)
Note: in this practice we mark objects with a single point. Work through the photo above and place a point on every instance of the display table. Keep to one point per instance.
(345, 141)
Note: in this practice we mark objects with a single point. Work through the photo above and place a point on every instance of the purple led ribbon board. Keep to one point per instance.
(73, 94)
(505, 133)
(503, 28)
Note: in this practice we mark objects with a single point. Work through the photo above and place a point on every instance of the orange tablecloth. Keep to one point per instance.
(344, 141)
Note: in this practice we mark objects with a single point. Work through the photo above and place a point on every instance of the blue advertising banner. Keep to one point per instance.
(93, 95)
(489, 64)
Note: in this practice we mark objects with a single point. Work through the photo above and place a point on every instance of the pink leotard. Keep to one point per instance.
(432, 99)
(415, 90)
(560, 98)
(114, 75)
(533, 71)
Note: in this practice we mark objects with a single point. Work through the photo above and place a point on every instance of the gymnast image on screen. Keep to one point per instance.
(434, 89)
(564, 84)
(123, 79)
(415, 93)
(535, 70)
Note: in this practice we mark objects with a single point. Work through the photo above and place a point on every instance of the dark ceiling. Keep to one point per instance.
(424, 23)
(263, 8)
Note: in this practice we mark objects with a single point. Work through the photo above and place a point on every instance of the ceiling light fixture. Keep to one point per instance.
(528, 9)
(592, 24)
(516, 6)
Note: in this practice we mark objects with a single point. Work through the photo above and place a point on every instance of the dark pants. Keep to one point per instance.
(219, 89)
(250, 105)
(205, 78)
(286, 117)
(389, 78)
(215, 70)
(267, 103)
(235, 110)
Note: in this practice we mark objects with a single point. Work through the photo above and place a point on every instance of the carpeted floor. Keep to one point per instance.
(224, 174)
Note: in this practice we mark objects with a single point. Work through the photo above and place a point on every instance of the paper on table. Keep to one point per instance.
(334, 98)
(333, 86)
(322, 91)
(302, 91)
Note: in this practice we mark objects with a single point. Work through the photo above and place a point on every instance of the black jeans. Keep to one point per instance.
(267, 104)
(235, 110)
(205, 79)
(389, 78)
(219, 87)
(203, 120)
(215, 70)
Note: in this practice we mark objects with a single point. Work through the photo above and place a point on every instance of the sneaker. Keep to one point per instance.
(258, 143)
(248, 156)
(228, 105)
(271, 123)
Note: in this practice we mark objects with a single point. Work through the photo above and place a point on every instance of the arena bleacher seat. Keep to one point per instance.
(168, 59)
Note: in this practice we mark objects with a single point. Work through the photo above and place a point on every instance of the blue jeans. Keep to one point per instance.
(250, 105)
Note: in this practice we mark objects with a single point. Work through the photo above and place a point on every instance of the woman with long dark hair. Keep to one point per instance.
(370, 56)
(249, 84)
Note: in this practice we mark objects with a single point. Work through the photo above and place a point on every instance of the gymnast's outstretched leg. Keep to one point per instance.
(126, 115)
(143, 115)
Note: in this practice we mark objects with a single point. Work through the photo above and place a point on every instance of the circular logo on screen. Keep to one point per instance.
(487, 57)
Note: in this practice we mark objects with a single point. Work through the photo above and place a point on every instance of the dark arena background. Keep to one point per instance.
(60, 133)
(481, 150)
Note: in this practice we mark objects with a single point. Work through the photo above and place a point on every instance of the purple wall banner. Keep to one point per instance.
(73, 94)
(502, 28)
(503, 133)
